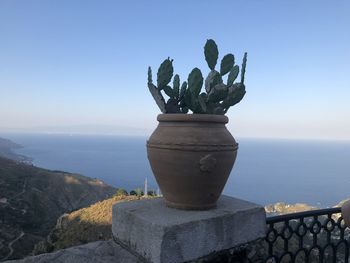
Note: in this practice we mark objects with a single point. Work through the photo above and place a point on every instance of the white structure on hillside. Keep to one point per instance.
(145, 193)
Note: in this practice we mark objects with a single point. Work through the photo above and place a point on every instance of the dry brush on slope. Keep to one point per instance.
(82, 226)
(32, 199)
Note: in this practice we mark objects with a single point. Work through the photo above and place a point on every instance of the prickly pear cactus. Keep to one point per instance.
(149, 75)
(157, 97)
(182, 90)
(232, 75)
(218, 93)
(244, 64)
(172, 106)
(227, 63)
(195, 82)
(212, 79)
(217, 99)
(235, 94)
(165, 73)
(219, 110)
(169, 91)
(211, 53)
(201, 100)
(192, 93)
(176, 86)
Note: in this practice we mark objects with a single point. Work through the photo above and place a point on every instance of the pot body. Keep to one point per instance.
(191, 156)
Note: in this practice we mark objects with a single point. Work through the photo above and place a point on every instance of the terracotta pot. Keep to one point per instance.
(191, 156)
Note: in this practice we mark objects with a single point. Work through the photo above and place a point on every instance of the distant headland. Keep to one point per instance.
(7, 148)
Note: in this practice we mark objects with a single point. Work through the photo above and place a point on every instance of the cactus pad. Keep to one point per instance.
(184, 110)
(169, 91)
(219, 110)
(212, 79)
(227, 63)
(211, 53)
(182, 90)
(157, 97)
(218, 93)
(201, 100)
(243, 67)
(235, 95)
(232, 75)
(172, 106)
(165, 73)
(176, 86)
(195, 82)
(149, 75)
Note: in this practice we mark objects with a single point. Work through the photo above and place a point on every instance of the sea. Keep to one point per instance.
(266, 171)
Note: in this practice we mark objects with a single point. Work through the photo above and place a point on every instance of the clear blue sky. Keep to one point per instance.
(65, 63)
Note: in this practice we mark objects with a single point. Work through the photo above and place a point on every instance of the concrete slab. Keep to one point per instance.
(94, 252)
(160, 234)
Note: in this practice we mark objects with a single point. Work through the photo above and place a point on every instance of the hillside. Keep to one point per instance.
(281, 208)
(32, 199)
(82, 226)
(6, 151)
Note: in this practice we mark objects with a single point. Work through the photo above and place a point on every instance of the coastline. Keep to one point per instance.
(266, 172)
(7, 150)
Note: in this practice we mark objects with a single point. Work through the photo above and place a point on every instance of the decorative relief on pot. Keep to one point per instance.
(207, 163)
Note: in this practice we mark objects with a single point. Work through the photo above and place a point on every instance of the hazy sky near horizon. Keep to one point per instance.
(84, 63)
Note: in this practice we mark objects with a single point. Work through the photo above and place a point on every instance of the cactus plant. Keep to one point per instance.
(211, 53)
(217, 99)
(227, 63)
(232, 75)
(165, 73)
(176, 97)
(195, 82)
(176, 86)
(212, 79)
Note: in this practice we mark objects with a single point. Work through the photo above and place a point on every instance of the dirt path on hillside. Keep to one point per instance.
(23, 190)
(10, 246)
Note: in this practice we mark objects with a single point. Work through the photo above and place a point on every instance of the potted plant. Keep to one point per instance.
(191, 155)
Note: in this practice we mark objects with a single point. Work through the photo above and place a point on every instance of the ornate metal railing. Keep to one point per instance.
(311, 236)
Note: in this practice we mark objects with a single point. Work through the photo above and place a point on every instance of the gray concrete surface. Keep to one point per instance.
(94, 252)
(161, 234)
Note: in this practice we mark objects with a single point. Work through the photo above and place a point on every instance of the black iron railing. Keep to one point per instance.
(311, 236)
(305, 237)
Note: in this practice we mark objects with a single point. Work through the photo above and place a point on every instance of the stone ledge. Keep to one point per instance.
(161, 234)
(94, 252)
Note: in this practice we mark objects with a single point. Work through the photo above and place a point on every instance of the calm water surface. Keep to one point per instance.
(266, 171)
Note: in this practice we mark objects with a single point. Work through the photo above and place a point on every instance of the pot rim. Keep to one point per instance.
(180, 117)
